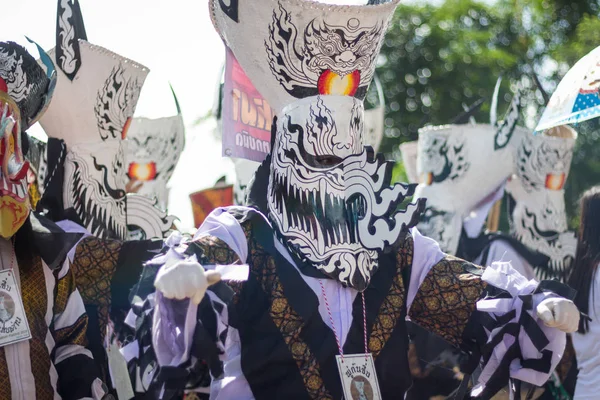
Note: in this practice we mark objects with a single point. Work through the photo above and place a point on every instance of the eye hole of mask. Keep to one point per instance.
(327, 161)
(13, 163)
(16, 166)
(555, 181)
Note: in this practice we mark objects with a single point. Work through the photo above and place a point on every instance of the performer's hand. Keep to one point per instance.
(559, 313)
(185, 279)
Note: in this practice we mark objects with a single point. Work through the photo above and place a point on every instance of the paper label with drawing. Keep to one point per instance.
(358, 376)
(13, 322)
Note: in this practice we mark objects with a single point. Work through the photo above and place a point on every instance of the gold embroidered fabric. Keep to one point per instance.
(287, 321)
(566, 362)
(391, 307)
(446, 299)
(215, 251)
(94, 266)
(34, 292)
(35, 302)
(64, 288)
(74, 334)
(191, 396)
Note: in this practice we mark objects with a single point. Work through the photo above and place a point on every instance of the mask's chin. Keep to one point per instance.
(351, 267)
(14, 207)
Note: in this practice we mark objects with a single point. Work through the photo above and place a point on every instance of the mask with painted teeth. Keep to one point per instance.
(97, 179)
(329, 197)
(92, 114)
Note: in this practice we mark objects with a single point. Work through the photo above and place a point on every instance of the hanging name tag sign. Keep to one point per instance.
(359, 380)
(13, 322)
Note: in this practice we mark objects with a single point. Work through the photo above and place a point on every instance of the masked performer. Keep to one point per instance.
(462, 173)
(536, 167)
(42, 338)
(87, 121)
(96, 95)
(457, 159)
(462, 169)
(335, 267)
(537, 213)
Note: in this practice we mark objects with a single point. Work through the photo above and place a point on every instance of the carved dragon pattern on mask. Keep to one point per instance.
(115, 104)
(442, 158)
(324, 59)
(538, 215)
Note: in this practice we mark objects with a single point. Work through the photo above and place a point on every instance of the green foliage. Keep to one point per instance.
(437, 59)
(399, 173)
(585, 168)
(583, 41)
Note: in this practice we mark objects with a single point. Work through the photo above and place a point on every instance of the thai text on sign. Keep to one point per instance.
(247, 116)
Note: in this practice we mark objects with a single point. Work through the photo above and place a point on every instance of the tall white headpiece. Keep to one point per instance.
(95, 98)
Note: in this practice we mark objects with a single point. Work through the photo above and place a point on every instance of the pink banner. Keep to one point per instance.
(247, 116)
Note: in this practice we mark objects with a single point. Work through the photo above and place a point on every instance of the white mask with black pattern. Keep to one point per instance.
(538, 215)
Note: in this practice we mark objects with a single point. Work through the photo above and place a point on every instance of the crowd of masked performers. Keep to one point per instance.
(325, 280)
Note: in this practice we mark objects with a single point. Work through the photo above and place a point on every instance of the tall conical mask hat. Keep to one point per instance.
(459, 167)
(25, 92)
(153, 150)
(537, 206)
(95, 98)
(328, 198)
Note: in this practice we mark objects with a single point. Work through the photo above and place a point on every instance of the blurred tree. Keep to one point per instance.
(585, 169)
(437, 59)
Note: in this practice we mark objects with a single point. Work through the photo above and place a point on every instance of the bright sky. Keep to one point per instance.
(176, 40)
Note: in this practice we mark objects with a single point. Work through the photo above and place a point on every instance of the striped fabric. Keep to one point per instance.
(55, 361)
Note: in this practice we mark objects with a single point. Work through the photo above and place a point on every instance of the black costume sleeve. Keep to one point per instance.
(491, 314)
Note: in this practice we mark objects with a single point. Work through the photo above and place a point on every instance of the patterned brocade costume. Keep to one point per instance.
(105, 271)
(446, 298)
(267, 338)
(94, 264)
(44, 367)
